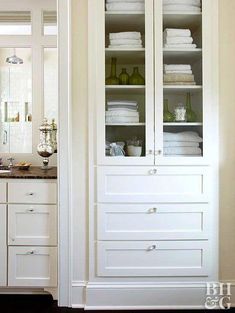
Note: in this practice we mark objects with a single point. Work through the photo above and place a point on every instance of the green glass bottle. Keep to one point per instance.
(136, 78)
(113, 79)
(190, 114)
(167, 115)
(124, 77)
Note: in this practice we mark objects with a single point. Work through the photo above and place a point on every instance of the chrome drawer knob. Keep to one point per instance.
(152, 210)
(152, 248)
(153, 172)
(31, 252)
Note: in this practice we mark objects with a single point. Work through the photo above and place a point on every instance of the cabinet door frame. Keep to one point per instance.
(97, 81)
(3, 245)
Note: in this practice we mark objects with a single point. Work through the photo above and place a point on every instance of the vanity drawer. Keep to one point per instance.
(153, 258)
(152, 221)
(3, 246)
(153, 184)
(32, 192)
(3, 192)
(32, 267)
(32, 225)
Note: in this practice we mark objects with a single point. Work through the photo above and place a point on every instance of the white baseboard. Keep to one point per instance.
(78, 294)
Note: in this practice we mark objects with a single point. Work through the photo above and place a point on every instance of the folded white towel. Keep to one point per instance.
(121, 119)
(183, 136)
(177, 32)
(125, 35)
(177, 40)
(196, 3)
(130, 109)
(178, 78)
(180, 83)
(123, 47)
(182, 151)
(180, 46)
(122, 102)
(179, 7)
(119, 42)
(116, 1)
(170, 144)
(177, 67)
(125, 6)
(179, 72)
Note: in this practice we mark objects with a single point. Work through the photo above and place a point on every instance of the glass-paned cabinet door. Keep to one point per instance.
(125, 102)
(16, 100)
(181, 106)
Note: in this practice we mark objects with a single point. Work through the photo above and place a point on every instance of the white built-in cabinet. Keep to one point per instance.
(153, 217)
(28, 233)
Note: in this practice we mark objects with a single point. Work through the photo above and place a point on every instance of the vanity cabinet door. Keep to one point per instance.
(32, 192)
(3, 192)
(3, 246)
(32, 225)
(32, 267)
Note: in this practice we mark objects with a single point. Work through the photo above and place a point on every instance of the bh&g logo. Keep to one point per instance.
(218, 296)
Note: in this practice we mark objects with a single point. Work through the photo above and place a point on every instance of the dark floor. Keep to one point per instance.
(45, 304)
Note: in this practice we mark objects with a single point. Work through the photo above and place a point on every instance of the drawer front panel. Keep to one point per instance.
(153, 258)
(3, 192)
(32, 267)
(32, 192)
(3, 246)
(32, 225)
(152, 222)
(147, 184)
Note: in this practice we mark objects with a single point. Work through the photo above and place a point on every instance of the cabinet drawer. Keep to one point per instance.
(148, 184)
(3, 246)
(3, 192)
(32, 225)
(152, 221)
(32, 267)
(32, 192)
(153, 258)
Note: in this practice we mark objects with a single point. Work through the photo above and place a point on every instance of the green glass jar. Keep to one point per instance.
(168, 117)
(136, 78)
(190, 114)
(124, 77)
(113, 79)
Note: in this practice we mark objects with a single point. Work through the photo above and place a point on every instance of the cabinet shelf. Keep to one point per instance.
(125, 124)
(183, 124)
(126, 56)
(181, 89)
(181, 55)
(124, 89)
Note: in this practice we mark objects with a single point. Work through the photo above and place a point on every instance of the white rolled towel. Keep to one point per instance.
(177, 32)
(125, 6)
(182, 151)
(170, 144)
(183, 136)
(116, 1)
(181, 7)
(196, 3)
(177, 67)
(180, 46)
(125, 35)
(177, 40)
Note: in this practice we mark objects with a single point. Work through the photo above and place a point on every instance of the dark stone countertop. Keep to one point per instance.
(34, 172)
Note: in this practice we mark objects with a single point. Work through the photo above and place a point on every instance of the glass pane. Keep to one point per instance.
(16, 100)
(15, 23)
(49, 23)
(50, 84)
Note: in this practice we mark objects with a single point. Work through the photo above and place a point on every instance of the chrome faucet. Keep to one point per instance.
(10, 165)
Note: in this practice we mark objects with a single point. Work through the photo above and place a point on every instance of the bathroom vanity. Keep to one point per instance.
(28, 228)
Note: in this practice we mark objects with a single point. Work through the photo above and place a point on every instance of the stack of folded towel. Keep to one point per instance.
(125, 40)
(178, 74)
(122, 112)
(125, 5)
(184, 143)
(178, 39)
(182, 5)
